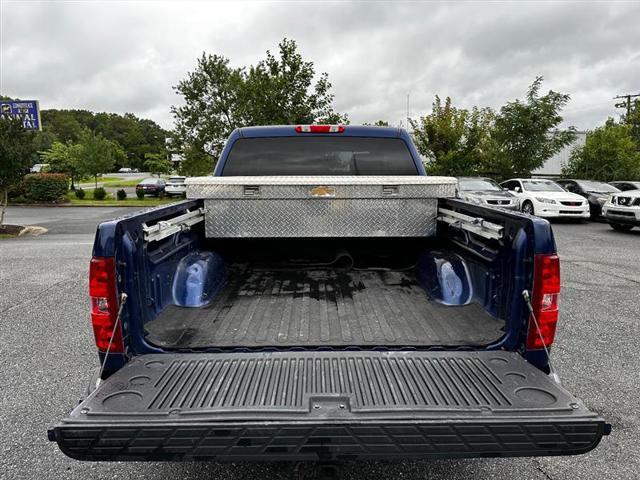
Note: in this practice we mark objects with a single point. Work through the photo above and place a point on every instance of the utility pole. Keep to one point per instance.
(408, 122)
(626, 104)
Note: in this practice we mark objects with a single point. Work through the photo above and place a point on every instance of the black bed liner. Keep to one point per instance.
(327, 405)
(260, 307)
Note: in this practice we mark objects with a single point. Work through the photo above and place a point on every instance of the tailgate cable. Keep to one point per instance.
(552, 371)
(123, 300)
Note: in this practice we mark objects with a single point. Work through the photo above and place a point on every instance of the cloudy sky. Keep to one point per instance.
(125, 56)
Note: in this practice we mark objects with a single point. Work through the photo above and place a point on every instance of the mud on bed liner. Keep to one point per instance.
(323, 308)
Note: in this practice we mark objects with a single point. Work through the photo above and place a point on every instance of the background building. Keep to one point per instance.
(553, 166)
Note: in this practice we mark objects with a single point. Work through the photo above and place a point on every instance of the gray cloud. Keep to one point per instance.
(126, 56)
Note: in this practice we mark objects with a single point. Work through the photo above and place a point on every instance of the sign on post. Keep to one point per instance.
(26, 110)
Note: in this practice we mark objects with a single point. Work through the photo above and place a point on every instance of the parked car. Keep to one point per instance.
(320, 298)
(176, 187)
(622, 210)
(596, 193)
(624, 186)
(152, 186)
(545, 198)
(39, 168)
(485, 191)
(125, 170)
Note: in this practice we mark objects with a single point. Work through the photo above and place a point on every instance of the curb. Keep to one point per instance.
(28, 230)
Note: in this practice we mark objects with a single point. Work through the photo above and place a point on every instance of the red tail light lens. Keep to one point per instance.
(319, 128)
(104, 304)
(546, 291)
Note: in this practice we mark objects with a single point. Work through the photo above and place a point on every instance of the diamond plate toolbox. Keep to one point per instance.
(320, 206)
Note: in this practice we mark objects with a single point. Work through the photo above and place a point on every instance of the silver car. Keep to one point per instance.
(484, 191)
(622, 210)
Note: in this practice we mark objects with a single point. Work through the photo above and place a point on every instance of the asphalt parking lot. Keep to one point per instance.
(47, 356)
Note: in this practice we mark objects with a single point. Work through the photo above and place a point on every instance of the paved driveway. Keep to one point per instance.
(47, 355)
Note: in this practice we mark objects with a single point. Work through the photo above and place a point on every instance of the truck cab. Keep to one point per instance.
(319, 297)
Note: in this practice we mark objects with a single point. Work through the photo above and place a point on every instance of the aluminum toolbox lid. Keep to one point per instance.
(326, 186)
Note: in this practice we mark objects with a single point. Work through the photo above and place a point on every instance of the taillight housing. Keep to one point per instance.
(320, 128)
(544, 300)
(104, 304)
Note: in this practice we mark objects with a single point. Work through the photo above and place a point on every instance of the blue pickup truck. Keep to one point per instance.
(319, 297)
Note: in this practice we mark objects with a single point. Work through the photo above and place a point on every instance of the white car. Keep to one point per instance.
(175, 186)
(39, 168)
(622, 210)
(545, 198)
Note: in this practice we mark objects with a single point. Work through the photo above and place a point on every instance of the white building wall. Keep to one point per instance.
(553, 166)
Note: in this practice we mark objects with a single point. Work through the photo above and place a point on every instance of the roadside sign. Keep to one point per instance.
(26, 110)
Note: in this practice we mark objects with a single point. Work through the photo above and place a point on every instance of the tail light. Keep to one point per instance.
(319, 128)
(104, 304)
(546, 290)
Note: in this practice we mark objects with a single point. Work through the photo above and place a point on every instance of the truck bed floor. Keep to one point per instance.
(259, 308)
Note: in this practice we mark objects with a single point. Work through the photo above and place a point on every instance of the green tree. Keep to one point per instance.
(526, 134)
(64, 158)
(195, 163)
(609, 153)
(279, 90)
(136, 136)
(16, 150)
(98, 155)
(452, 140)
(157, 164)
(64, 124)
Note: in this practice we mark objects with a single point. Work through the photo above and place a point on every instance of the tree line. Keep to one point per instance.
(136, 137)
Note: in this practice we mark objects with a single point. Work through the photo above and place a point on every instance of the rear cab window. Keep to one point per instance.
(320, 155)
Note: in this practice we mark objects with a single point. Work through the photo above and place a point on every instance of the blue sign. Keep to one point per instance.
(26, 110)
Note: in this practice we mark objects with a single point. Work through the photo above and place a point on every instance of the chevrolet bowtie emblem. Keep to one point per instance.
(323, 191)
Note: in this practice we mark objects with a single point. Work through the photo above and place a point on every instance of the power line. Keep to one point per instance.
(626, 104)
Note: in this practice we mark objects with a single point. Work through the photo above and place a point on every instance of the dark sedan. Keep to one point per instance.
(151, 186)
(626, 186)
(597, 193)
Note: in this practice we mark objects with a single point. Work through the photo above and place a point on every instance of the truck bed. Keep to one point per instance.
(324, 307)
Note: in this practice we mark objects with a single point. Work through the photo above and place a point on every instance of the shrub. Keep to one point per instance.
(121, 194)
(99, 194)
(18, 190)
(46, 187)
(19, 199)
(79, 193)
(140, 194)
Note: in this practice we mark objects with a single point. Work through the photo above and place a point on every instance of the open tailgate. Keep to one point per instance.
(327, 405)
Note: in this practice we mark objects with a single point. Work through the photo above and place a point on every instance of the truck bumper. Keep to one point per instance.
(327, 406)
